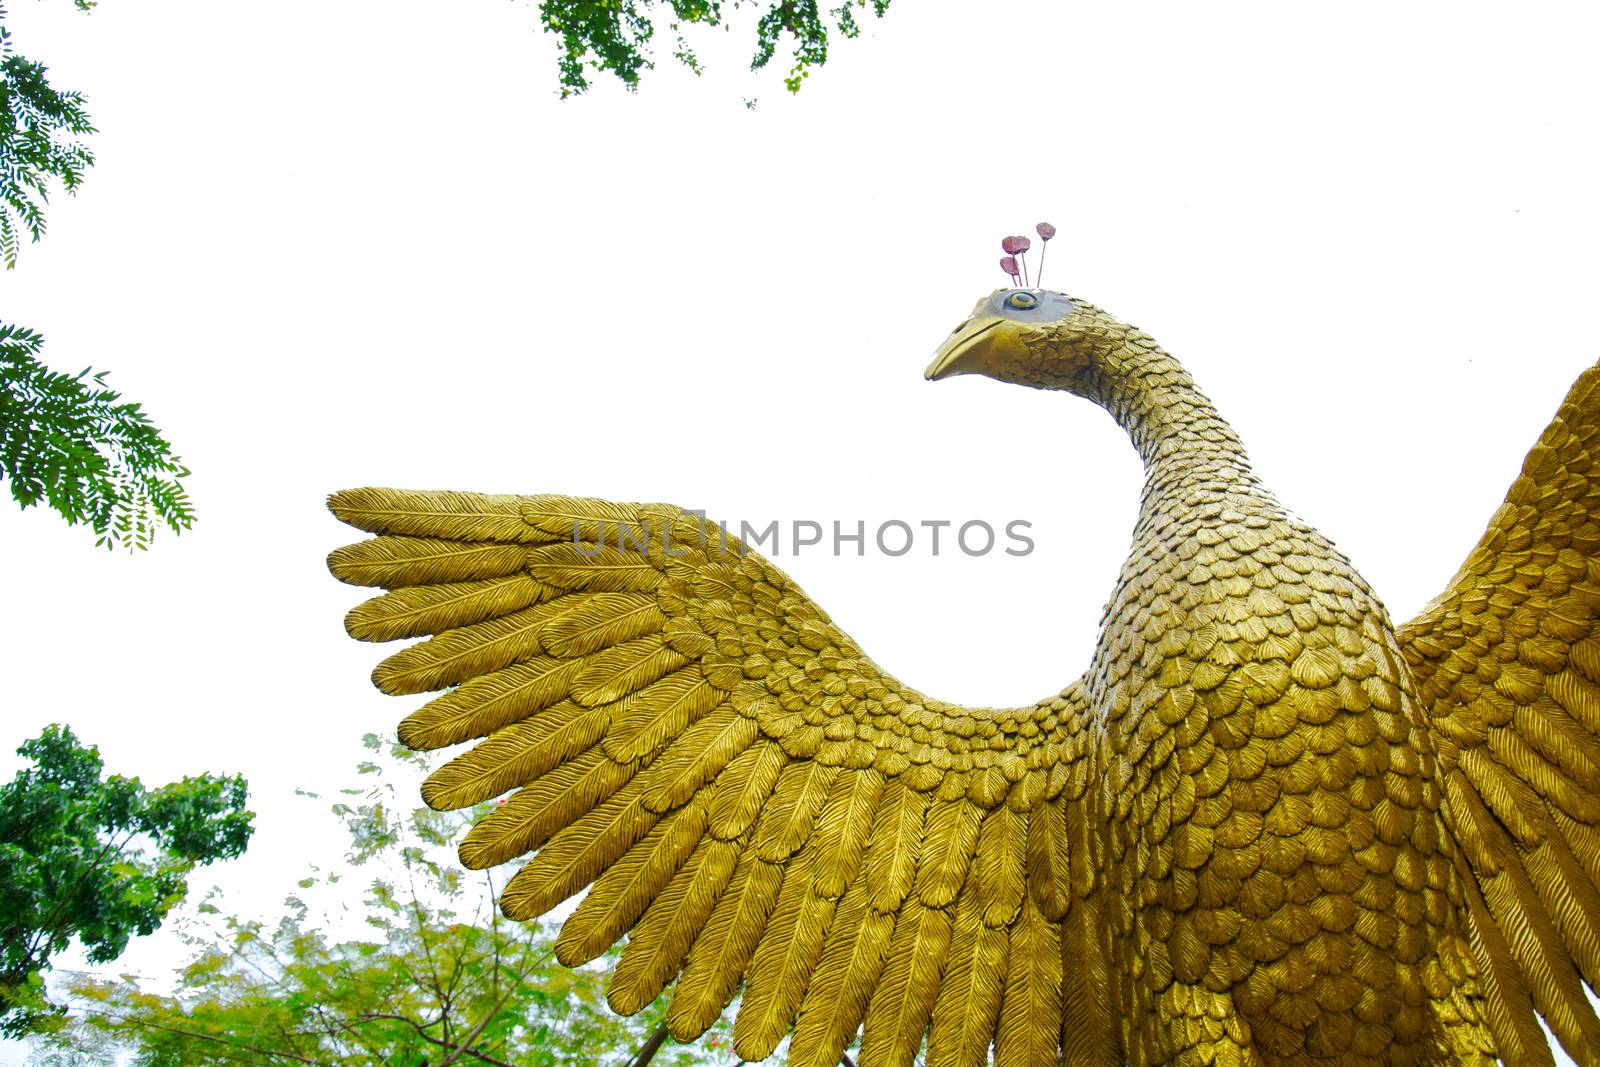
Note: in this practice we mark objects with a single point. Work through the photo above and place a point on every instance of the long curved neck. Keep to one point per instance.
(1185, 444)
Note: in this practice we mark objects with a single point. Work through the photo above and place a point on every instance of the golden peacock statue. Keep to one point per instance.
(1265, 827)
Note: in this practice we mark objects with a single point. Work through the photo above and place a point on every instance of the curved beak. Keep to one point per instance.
(967, 350)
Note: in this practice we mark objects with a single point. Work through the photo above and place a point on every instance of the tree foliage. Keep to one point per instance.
(430, 974)
(615, 36)
(99, 859)
(71, 442)
(65, 439)
(40, 143)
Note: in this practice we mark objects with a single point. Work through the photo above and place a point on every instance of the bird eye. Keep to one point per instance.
(1023, 301)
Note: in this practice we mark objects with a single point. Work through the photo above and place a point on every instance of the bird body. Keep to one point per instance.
(1256, 721)
(1265, 827)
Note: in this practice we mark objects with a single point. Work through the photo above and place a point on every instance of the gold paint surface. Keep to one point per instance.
(1265, 827)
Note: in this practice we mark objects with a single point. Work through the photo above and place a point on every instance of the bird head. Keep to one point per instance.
(1034, 337)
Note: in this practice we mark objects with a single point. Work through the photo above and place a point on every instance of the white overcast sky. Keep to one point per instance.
(332, 243)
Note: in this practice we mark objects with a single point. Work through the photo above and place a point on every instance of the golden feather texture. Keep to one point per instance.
(396, 562)
(643, 722)
(580, 851)
(656, 949)
(514, 756)
(968, 1002)
(790, 948)
(902, 1002)
(465, 652)
(546, 805)
(621, 895)
(836, 999)
(697, 756)
(721, 953)
(626, 668)
(439, 514)
(601, 621)
(1266, 827)
(424, 609)
(1030, 1009)
(482, 705)
(600, 567)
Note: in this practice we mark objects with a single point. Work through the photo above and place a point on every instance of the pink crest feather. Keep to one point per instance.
(1015, 262)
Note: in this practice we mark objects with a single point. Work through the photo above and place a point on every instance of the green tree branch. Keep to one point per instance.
(615, 36)
(99, 859)
(439, 978)
(68, 441)
(40, 144)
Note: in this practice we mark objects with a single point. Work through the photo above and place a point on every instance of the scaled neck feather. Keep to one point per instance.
(1189, 451)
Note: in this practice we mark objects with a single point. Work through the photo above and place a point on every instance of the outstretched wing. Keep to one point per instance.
(684, 732)
(1507, 662)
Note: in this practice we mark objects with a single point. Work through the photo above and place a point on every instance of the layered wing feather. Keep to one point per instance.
(744, 794)
(1507, 663)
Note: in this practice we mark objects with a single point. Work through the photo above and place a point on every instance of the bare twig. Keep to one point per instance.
(332, 1025)
(488, 1017)
(455, 1051)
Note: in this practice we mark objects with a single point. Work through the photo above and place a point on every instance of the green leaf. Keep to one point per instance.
(433, 962)
(77, 448)
(41, 131)
(614, 36)
(96, 859)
